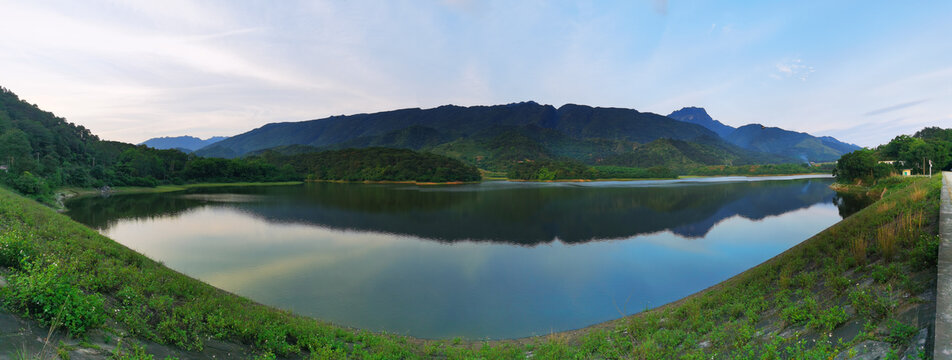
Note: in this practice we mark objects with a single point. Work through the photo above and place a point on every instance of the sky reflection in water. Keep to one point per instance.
(494, 260)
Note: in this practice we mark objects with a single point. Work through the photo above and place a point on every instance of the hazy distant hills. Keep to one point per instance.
(495, 137)
(771, 140)
(183, 143)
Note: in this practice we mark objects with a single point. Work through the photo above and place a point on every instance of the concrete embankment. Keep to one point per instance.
(943, 314)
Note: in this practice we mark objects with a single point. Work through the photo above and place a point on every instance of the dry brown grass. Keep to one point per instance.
(909, 226)
(918, 193)
(886, 237)
(884, 206)
(858, 249)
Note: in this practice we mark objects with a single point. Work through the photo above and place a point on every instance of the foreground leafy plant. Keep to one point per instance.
(46, 294)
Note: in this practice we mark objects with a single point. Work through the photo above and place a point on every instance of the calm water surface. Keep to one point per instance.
(490, 260)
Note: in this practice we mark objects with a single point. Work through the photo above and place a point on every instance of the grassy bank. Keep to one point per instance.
(854, 282)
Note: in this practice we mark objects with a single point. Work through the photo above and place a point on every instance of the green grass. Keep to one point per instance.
(803, 289)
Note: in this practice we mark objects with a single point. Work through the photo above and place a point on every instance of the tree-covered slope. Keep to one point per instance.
(375, 164)
(775, 140)
(772, 140)
(417, 128)
(42, 151)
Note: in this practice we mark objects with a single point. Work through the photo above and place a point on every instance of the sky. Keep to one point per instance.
(861, 71)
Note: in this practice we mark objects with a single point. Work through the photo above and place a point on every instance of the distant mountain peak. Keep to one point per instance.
(699, 116)
(187, 142)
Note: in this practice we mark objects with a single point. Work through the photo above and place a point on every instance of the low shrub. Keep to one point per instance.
(871, 304)
(829, 319)
(45, 294)
(14, 248)
(899, 332)
(925, 253)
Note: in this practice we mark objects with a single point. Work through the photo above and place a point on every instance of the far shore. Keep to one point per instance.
(71, 192)
(682, 177)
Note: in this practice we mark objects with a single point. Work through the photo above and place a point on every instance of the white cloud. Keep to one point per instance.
(792, 69)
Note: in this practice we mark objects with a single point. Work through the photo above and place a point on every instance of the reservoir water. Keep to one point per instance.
(479, 261)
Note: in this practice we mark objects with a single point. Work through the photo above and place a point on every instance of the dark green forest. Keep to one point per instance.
(40, 152)
(551, 170)
(373, 164)
(903, 152)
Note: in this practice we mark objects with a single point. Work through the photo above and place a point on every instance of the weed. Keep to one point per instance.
(839, 284)
(884, 274)
(925, 252)
(829, 319)
(884, 206)
(871, 304)
(918, 193)
(42, 291)
(15, 247)
(137, 352)
(858, 249)
(899, 332)
(801, 312)
(886, 240)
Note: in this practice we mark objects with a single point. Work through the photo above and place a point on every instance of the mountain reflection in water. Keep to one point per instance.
(477, 261)
(503, 212)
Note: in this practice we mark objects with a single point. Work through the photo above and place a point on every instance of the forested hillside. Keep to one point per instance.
(374, 164)
(771, 140)
(914, 153)
(41, 151)
(496, 138)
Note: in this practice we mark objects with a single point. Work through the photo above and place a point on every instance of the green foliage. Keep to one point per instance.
(374, 164)
(859, 165)
(899, 333)
(30, 185)
(884, 274)
(801, 146)
(15, 248)
(43, 152)
(620, 172)
(44, 292)
(681, 154)
(925, 254)
(551, 170)
(800, 312)
(871, 303)
(914, 152)
(765, 169)
(829, 319)
(136, 352)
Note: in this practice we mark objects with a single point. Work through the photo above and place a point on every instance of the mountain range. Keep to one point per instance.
(496, 137)
(183, 143)
(771, 140)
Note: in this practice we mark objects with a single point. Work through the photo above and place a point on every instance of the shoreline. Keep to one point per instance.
(67, 193)
(798, 263)
(680, 178)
